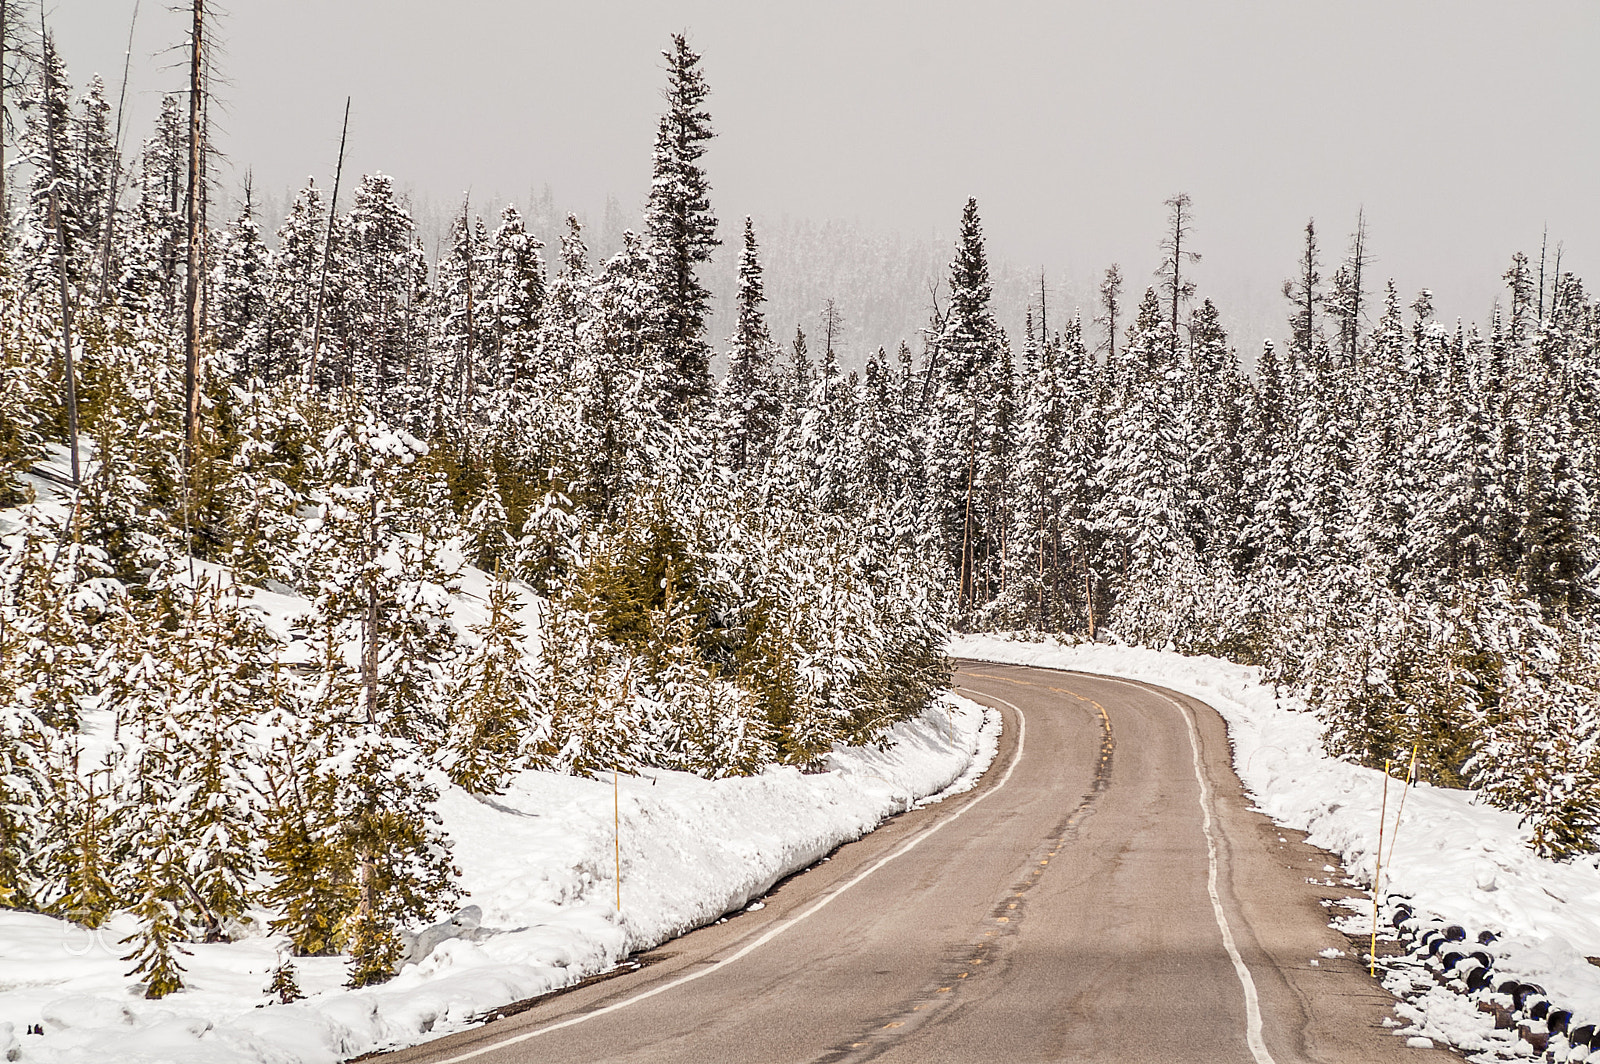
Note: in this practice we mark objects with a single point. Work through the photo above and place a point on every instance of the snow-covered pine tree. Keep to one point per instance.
(514, 297)
(141, 677)
(1305, 295)
(25, 404)
(1215, 395)
(465, 322)
(58, 596)
(285, 985)
(46, 147)
(25, 785)
(292, 285)
(1035, 599)
(152, 242)
(94, 163)
(970, 384)
(403, 874)
(239, 293)
(590, 681)
(1143, 474)
(386, 270)
(81, 865)
(616, 386)
(488, 530)
(681, 232)
(227, 672)
(382, 592)
(750, 400)
(498, 721)
(307, 858)
(1537, 746)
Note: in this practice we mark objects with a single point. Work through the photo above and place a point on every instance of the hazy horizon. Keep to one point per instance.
(1461, 139)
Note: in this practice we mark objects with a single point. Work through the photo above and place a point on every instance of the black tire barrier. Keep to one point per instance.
(1524, 991)
(1531, 1012)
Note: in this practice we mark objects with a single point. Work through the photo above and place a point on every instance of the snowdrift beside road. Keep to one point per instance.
(538, 860)
(1454, 857)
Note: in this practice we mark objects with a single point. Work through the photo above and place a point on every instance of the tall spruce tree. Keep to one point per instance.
(750, 399)
(681, 231)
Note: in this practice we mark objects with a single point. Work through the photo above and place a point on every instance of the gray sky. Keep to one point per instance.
(1462, 127)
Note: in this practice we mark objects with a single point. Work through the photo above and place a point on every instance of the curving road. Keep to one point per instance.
(1106, 894)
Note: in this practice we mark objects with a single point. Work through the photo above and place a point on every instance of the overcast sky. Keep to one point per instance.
(1463, 128)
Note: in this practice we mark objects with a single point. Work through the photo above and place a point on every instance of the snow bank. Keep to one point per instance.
(1461, 860)
(540, 862)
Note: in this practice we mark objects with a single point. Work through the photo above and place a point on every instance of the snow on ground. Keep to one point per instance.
(539, 860)
(1461, 860)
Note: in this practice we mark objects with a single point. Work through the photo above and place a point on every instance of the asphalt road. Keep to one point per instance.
(1105, 894)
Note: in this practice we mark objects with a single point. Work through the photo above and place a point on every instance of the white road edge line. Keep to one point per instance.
(774, 932)
(1252, 1003)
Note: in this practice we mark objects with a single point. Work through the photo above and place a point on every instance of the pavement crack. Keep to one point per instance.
(969, 962)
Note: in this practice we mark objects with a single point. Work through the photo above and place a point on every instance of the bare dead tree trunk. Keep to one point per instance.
(1180, 226)
(1358, 262)
(205, 197)
(472, 335)
(1555, 282)
(1044, 326)
(936, 326)
(116, 163)
(327, 251)
(5, 214)
(1544, 244)
(1180, 205)
(191, 281)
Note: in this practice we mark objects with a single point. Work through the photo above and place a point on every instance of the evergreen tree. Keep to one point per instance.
(972, 386)
(682, 231)
(497, 723)
(239, 293)
(292, 292)
(515, 299)
(750, 399)
(385, 273)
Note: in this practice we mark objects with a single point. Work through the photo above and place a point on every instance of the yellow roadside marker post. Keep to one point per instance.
(1394, 837)
(1411, 779)
(616, 831)
(1377, 874)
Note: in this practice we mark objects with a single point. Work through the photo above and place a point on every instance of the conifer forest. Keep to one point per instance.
(679, 568)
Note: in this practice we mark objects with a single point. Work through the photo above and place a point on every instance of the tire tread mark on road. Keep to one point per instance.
(1255, 1038)
(1005, 919)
